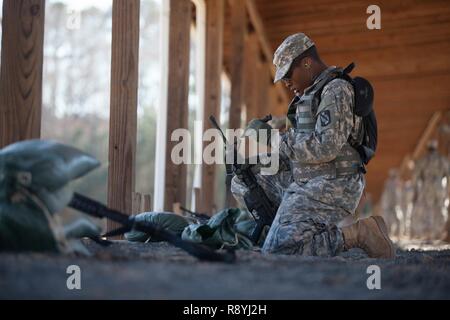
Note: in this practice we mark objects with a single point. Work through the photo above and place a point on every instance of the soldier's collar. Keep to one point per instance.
(321, 76)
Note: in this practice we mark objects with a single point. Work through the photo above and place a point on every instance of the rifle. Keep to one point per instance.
(200, 217)
(256, 199)
(98, 210)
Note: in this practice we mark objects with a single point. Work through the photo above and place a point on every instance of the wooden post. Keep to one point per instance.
(137, 203)
(251, 76)
(427, 134)
(21, 70)
(147, 203)
(177, 97)
(213, 72)
(263, 88)
(123, 114)
(273, 100)
(141, 203)
(238, 29)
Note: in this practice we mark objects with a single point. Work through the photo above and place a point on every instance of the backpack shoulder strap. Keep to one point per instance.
(348, 69)
(337, 73)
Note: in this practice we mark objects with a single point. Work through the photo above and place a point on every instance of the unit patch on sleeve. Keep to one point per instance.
(325, 118)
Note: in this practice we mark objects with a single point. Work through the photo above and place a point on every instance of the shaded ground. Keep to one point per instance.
(159, 271)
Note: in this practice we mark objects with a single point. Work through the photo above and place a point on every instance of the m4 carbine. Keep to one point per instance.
(255, 199)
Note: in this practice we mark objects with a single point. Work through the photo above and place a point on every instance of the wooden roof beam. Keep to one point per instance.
(427, 134)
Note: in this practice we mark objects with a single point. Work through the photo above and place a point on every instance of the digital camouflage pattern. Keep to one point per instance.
(310, 208)
(229, 228)
(313, 153)
(164, 220)
(273, 185)
(290, 49)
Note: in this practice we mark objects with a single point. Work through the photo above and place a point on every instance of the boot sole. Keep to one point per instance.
(383, 228)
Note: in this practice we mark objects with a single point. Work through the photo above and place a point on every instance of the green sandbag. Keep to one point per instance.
(35, 178)
(165, 220)
(228, 228)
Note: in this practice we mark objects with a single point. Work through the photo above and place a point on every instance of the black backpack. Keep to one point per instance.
(363, 107)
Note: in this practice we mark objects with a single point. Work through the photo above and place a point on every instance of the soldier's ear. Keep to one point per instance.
(307, 63)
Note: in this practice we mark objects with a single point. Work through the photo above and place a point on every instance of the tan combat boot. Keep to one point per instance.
(371, 235)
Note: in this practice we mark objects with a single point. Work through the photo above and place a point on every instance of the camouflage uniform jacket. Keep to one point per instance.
(335, 129)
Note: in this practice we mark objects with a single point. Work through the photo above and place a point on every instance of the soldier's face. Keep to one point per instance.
(297, 79)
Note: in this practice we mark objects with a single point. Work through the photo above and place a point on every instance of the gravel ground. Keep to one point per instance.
(160, 271)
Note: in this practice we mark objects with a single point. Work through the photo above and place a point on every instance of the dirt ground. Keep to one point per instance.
(160, 271)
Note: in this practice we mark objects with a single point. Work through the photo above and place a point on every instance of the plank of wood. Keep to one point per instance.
(147, 203)
(123, 112)
(21, 70)
(137, 203)
(215, 11)
(177, 97)
(251, 75)
(238, 29)
(347, 13)
(354, 36)
(266, 47)
(428, 31)
(263, 107)
(275, 106)
(425, 138)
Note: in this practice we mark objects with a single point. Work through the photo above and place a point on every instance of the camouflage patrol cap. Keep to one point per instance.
(291, 48)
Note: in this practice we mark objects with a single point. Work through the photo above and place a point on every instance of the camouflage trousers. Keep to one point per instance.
(303, 225)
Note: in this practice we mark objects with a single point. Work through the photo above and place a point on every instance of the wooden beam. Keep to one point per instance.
(267, 49)
(123, 113)
(21, 70)
(213, 71)
(427, 134)
(405, 167)
(238, 31)
(177, 97)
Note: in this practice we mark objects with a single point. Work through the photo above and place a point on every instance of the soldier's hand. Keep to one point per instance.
(259, 130)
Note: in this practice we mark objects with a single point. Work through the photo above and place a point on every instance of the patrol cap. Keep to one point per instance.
(291, 48)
